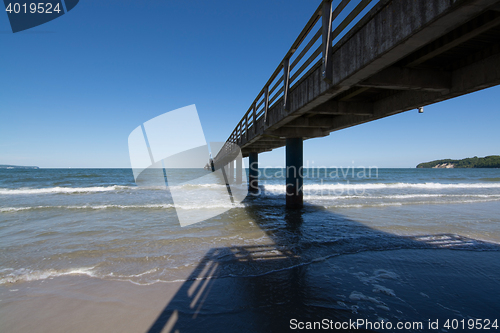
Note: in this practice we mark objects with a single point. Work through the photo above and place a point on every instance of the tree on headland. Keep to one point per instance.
(492, 161)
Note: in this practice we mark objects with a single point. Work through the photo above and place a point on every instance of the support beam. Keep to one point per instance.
(268, 145)
(239, 169)
(270, 141)
(398, 78)
(300, 132)
(353, 93)
(471, 29)
(348, 120)
(253, 176)
(334, 107)
(479, 75)
(320, 121)
(294, 172)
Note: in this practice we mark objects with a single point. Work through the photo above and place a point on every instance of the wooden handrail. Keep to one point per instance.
(276, 85)
(307, 63)
(313, 40)
(267, 95)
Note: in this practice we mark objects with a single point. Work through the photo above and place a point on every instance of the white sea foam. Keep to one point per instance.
(359, 296)
(150, 206)
(267, 188)
(24, 275)
(378, 186)
(377, 276)
(383, 290)
(400, 196)
(97, 189)
(15, 209)
(63, 190)
(384, 204)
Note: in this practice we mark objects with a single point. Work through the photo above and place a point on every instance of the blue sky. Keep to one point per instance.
(73, 89)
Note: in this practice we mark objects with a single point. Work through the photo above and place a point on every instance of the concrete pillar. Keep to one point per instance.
(226, 173)
(294, 172)
(231, 172)
(239, 169)
(253, 176)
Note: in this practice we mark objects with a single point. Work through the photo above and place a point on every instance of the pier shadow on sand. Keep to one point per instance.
(322, 265)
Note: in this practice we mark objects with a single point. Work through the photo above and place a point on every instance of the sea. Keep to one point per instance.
(98, 223)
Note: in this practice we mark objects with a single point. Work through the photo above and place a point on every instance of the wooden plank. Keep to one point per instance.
(307, 63)
(276, 96)
(261, 102)
(352, 15)
(276, 85)
(306, 48)
(339, 9)
(303, 34)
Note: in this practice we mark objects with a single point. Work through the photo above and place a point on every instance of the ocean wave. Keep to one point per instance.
(399, 196)
(98, 189)
(378, 186)
(25, 275)
(386, 204)
(275, 188)
(64, 190)
(99, 207)
(95, 207)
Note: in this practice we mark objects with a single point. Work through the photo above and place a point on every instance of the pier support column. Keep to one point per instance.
(253, 176)
(231, 172)
(294, 172)
(226, 173)
(239, 169)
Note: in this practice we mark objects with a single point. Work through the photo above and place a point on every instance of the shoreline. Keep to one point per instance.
(387, 284)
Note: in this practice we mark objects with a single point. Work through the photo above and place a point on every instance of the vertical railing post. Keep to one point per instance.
(286, 83)
(266, 104)
(246, 126)
(254, 118)
(326, 14)
(239, 132)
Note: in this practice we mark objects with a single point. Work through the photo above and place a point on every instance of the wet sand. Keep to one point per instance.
(393, 285)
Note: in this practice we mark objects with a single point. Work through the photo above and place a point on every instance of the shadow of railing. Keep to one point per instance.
(259, 288)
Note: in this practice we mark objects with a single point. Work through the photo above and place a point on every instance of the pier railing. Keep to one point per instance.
(312, 48)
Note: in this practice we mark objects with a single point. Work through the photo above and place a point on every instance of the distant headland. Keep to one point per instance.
(492, 161)
(3, 166)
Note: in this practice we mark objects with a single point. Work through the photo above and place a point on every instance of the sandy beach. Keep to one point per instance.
(395, 286)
